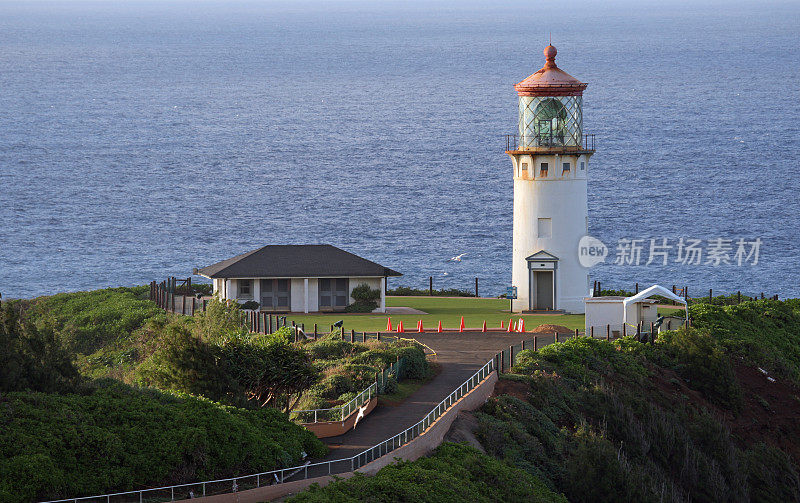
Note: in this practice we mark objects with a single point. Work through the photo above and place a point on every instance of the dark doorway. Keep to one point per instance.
(544, 290)
(276, 294)
(333, 294)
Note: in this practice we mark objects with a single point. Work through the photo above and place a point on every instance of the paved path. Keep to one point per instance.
(459, 354)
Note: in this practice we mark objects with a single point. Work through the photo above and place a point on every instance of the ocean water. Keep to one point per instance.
(139, 140)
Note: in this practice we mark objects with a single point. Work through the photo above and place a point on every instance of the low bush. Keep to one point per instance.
(88, 321)
(447, 292)
(454, 472)
(250, 304)
(596, 428)
(701, 361)
(764, 332)
(111, 437)
(365, 299)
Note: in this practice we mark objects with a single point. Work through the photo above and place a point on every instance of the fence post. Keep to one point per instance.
(352, 335)
(476, 287)
(624, 330)
(639, 331)
(315, 331)
(709, 295)
(502, 362)
(637, 288)
(739, 297)
(430, 285)
(576, 333)
(652, 333)
(535, 343)
(608, 332)
(510, 356)
(556, 334)
(591, 331)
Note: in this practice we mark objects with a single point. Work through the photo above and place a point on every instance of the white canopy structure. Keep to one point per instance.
(649, 292)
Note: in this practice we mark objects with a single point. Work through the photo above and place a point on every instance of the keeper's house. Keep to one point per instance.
(297, 278)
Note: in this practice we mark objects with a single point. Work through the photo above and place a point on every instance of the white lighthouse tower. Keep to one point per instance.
(550, 154)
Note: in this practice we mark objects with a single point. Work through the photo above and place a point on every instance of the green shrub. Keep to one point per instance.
(250, 304)
(454, 472)
(448, 292)
(771, 474)
(764, 332)
(365, 299)
(112, 437)
(595, 426)
(391, 386)
(699, 358)
(87, 321)
(415, 365)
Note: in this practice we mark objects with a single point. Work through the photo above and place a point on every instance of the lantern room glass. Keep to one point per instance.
(550, 121)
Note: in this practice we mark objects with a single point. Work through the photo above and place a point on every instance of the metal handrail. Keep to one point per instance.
(347, 408)
(355, 462)
(547, 140)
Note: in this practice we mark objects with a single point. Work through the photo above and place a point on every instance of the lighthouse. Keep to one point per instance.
(550, 154)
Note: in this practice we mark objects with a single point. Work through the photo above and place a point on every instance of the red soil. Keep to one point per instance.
(770, 412)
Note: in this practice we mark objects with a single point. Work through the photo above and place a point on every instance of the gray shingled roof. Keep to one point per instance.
(291, 261)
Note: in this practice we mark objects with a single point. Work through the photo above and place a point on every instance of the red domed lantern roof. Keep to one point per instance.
(550, 80)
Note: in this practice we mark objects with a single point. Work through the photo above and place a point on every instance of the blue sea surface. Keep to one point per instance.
(139, 140)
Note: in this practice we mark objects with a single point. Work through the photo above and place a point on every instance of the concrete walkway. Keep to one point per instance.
(459, 354)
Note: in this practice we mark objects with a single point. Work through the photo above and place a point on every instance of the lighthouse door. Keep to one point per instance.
(543, 284)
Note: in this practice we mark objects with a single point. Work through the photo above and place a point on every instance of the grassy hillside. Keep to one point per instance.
(764, 332)
(624, 421)
(65, 434)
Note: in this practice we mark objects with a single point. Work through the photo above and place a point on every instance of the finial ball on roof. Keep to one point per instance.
(550, 53)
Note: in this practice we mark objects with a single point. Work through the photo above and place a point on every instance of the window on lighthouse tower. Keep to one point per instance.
(550, 122)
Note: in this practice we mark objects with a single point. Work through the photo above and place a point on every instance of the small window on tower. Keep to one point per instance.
(565, 168)
(583, 165)
(543, 169)
(524, 165)
(545, 229)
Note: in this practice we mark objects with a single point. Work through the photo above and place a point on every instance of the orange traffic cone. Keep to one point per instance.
(400, 327)
(521, 326)
(419, 327)
(440, 327)
(461, 326)
(501, 324)
(510, 325)
(484, 326)
(388, 324)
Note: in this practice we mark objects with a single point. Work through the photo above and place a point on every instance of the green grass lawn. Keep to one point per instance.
(448, 310)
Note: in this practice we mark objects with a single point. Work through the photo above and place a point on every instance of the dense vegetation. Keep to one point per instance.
(65, 434)
(452, 473)
(109, 436)
(764, 332)
(348, 368)
(614, 421)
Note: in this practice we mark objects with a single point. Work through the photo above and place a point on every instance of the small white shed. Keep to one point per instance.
(604, 311)
(618, 311)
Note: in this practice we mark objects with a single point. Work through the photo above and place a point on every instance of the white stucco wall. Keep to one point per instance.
(602, 311)
(563, 199)
(229, 288)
